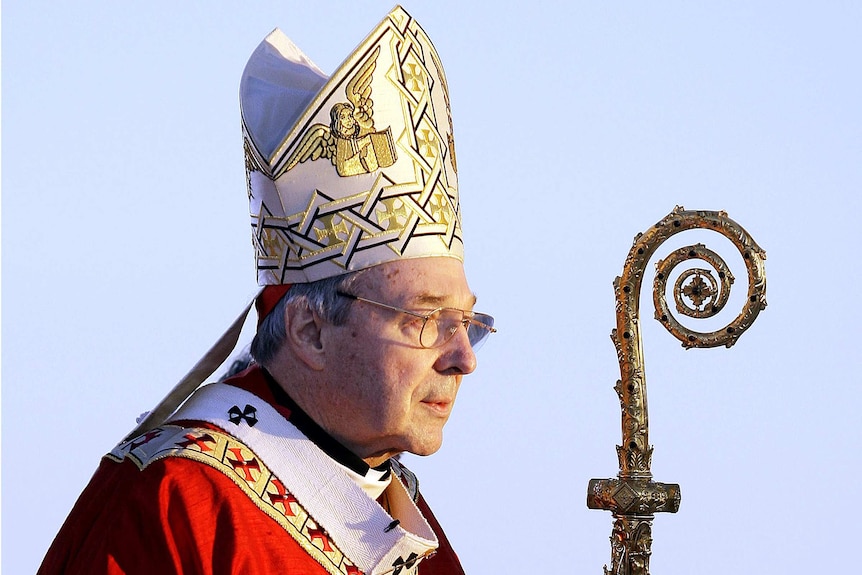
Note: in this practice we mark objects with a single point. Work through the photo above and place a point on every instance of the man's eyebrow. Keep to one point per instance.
(438, 300)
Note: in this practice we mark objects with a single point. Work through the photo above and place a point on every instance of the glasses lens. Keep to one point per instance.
(479, 329)
(444, 323)
(438, 328)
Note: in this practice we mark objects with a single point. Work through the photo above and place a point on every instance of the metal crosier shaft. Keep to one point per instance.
(633, 497)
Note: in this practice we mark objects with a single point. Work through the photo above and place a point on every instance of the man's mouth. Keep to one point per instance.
(441, 406)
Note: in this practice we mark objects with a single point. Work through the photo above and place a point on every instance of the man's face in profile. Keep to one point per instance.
(387, 393)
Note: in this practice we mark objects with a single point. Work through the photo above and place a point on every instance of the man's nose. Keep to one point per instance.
(458, 356)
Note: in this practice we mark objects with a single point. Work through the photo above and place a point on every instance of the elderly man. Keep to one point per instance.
(366, 328)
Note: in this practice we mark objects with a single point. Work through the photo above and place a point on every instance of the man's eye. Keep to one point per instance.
(414, 322)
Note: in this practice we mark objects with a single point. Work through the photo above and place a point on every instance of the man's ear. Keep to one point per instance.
(303, 333)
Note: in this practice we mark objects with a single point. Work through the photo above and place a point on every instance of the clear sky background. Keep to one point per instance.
(126, 252)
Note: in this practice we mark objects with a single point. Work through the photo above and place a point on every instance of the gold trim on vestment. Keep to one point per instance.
(234, 459)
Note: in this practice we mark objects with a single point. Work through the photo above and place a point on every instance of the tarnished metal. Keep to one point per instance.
(634, 498)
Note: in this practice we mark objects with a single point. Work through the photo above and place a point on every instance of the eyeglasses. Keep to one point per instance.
(440, 325)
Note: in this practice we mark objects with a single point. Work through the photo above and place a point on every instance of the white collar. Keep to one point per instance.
(361, 528)
(374, 483)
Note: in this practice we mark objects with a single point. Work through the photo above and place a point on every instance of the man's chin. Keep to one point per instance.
(426, 447)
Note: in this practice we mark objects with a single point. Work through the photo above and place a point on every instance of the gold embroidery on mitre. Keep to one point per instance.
(252, 164)
(329, 223)
(350, 141)
(329, 231)
(450, 138)
(393, 214)
(440, 208)
(271, 245)
(269, 237)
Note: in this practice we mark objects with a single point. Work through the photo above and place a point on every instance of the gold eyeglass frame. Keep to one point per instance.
(468, 318)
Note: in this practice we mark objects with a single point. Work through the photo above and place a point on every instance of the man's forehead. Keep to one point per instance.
(432, 280)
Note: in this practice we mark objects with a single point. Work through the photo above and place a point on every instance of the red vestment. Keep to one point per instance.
(182, 515)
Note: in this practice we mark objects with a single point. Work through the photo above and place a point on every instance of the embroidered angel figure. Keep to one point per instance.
(350, 141)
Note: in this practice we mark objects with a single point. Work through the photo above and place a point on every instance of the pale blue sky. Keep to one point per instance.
(126, 252)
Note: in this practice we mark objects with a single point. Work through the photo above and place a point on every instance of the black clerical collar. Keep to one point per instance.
(320, 437)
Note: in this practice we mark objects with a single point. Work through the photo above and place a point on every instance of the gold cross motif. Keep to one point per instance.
(331, 229)
(439, 207)
(389, 214)
(271, 243)
(427, 140)
(414, 77)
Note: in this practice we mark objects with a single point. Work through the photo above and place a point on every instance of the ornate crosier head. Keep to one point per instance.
(634, 497)
(353, 170)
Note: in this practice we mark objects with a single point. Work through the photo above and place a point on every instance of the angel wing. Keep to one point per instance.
(359, 93)
(318, 142)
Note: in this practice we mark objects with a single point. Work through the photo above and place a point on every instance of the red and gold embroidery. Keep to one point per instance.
(234, 459)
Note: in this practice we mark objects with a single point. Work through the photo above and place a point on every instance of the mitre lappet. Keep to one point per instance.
(343, 172)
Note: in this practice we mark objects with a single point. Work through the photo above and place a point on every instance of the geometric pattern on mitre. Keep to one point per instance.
(336, 230)
(379, 183)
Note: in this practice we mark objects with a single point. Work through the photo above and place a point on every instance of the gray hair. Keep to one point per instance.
(320, 296)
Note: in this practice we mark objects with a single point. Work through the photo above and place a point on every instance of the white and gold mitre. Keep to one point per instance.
(353, 170)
